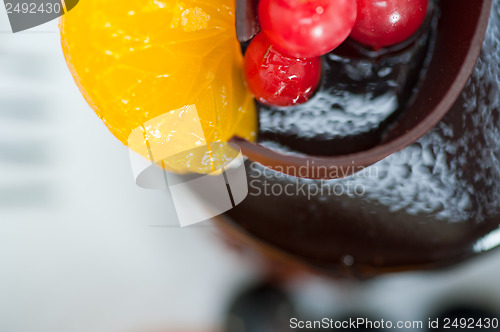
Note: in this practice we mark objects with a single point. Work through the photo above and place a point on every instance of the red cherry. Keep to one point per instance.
(383, 23)
(277, 79)
(307, 28)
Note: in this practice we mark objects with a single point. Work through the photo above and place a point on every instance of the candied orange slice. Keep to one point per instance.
(135, 61)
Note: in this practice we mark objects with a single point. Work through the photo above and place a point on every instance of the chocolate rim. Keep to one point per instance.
(461, 31)
(280, 262)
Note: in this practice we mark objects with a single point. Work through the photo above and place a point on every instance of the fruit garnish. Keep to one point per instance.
(307, 28)
(384, 23)
(277, 79)
(137, 60)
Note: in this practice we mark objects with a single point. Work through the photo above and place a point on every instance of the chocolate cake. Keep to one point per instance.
(434, 203)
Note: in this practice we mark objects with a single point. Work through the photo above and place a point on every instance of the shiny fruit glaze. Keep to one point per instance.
(384, 23)
(277, 79)
(307, 28)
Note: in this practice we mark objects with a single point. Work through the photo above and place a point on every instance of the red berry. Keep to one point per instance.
(307, 28)
(383, 23)
(277, 79)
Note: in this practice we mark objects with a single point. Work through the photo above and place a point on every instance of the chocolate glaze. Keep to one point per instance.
(434, 203)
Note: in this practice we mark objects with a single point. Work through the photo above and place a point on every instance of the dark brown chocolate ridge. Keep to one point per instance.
(247, 24)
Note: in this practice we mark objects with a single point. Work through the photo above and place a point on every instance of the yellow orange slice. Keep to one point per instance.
(137, 60)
